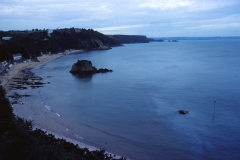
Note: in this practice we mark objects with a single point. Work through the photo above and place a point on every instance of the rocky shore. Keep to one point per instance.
(16, 70)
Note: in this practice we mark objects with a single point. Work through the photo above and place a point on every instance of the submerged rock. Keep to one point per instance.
(183, 111)
(103, 70)
(85, 67)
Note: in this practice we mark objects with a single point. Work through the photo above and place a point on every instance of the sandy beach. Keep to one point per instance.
(32, 108)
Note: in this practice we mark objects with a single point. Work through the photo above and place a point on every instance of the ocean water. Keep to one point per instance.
(133, 111)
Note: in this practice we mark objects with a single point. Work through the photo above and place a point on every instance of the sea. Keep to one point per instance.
(133, 111)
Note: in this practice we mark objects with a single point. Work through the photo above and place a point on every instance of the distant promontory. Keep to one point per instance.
(124, 39)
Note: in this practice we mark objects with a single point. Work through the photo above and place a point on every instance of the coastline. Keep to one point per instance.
(32, 108)
(16, 69)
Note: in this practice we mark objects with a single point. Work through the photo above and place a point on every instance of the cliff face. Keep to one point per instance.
(130, 38)
(93, 43)
(33, 43)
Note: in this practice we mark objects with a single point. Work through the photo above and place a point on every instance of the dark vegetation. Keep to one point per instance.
(32, 43)
(19, 141)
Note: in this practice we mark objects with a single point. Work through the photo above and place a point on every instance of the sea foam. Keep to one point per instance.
(48, 107)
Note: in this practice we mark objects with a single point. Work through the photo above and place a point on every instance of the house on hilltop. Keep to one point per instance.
(6, 38)
(77, 30)
(49, 31)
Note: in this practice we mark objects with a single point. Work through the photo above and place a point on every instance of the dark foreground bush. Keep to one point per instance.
(19, 141)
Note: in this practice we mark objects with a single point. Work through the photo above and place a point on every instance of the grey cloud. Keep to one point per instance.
(151, 17)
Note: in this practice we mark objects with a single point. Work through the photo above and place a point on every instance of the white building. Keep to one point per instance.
(49, 31)
(77, 30)
(6, 38)
(17, 56)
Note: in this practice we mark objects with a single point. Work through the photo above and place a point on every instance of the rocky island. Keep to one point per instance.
(85, 67)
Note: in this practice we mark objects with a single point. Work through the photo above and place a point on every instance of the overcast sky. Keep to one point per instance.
(154, 18)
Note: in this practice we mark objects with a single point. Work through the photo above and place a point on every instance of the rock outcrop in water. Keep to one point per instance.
(183, 111)
(85, 67)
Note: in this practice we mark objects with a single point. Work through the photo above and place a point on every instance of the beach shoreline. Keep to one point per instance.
(16, 69)
(32, 108)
